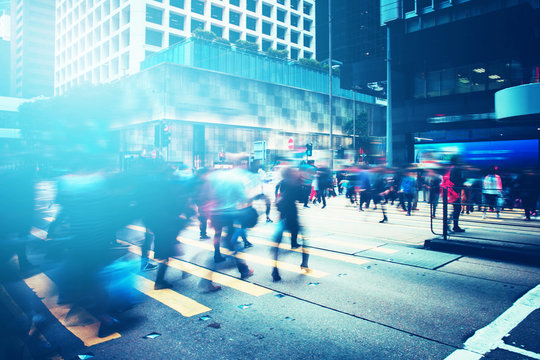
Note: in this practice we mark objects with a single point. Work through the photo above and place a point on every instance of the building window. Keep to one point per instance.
(281, 32)
(125, 16)
(307, 8)
(294, 20)
(294, 37)
(294, 53)
(281, 46)
(294, 4)
(234, 36)
(251, 23)
(281, 2)
(173, 39)
(217, 12)
(308, 54)
(409, 5)
(154, 15)
(281, 14)
(234, 18)
(267, 28)
(218, 30)
(251, 38)
(196, 24)
(266, 44)
(197, 6)
(153, 37)
(124, 42)
(176, 21)
(234, 2)
(424, 3)
(307, 40)
(307, 24)
(251, 5)
(267, 10)
(177, 3)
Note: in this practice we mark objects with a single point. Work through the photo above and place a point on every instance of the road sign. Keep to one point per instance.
(290, 144)
(259, 150)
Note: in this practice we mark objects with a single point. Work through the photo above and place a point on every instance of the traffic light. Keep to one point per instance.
(221, 156)
(309, 149)
(162, 135)
(165, 135)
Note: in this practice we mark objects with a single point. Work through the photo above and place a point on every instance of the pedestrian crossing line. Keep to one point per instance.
(39, 233)
(137, 228)
(204, 273)
(316, 252)
(43, 286)
(7, 302)
(49, 218)
(254, 258)
(178, 302)
(325, 240)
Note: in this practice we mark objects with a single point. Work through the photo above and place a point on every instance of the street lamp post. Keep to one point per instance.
(389, 152)
(330, 83)
(354, 124)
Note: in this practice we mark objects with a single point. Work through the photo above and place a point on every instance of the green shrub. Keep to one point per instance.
(203, 34)
(246, 45)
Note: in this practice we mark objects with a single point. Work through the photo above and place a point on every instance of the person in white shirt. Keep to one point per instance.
(492, 191)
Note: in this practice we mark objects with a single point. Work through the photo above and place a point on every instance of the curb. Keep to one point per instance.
(522, 255)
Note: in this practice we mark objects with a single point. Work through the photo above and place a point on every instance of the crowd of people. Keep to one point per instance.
(94, 204)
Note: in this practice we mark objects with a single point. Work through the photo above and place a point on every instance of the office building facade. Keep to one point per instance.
(32, 48)
(358, 43)
(103, 40)
(448, 59)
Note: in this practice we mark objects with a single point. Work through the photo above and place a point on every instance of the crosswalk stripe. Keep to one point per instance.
(316, 252)
(325, 240)
(201, 272)
(184, 305)
(255, 258)
(43, 286)
(39, 233)
(49, 218)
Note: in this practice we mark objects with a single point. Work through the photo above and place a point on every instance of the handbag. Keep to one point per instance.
(249, 217)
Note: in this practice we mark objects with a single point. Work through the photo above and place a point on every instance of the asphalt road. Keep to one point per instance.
(373, 293)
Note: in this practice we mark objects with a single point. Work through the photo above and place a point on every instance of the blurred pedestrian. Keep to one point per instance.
(290, 191)
(453, 181)
(407, 191)
(492, 191)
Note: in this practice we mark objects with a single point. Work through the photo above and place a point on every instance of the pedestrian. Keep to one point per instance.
(323, 182)
(433, 185)
(407, 191)
(167, 210)
(290, 192)
(224, 196)
(453, 182)
(528, 185)
(492, 191)
(379, 188)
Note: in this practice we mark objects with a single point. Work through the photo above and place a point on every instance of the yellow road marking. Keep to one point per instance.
(44, 288)
(255, 258)
(184, 305)
(201, 272)
(41, 234)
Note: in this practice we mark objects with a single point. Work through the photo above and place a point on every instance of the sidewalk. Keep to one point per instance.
(507, 239)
